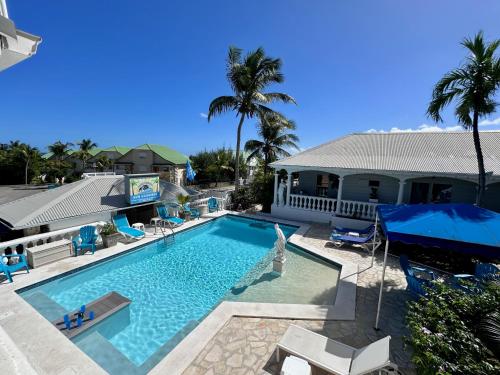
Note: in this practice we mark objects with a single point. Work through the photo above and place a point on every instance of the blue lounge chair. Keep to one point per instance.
(8, 269)
(212, 204)
(360, 232)
(416, 286)
(86, 240)
(170, 220)
(124, 228)
(363, 241)
(483, 272)
(193, 212)
(410, 270)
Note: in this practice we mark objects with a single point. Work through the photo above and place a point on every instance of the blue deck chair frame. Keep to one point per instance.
(123, 227)
(483, 272)
(416, 286)
(172, 221)
(9, 269)
(86, 240)
(411, 270)
(360, 232)
(364, 241)
(213, 206)
(193, 212)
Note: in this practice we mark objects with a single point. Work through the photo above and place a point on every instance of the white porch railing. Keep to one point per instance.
(222, 202)
(307, 202)
(43, 238)
(356, 209)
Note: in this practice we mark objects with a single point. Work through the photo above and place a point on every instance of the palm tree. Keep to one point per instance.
(473, 86)
(275, 140)
(249, 77)
(84, 152)
(28, 155)
(59, 149)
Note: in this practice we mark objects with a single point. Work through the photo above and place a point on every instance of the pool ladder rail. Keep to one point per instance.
(167, 237)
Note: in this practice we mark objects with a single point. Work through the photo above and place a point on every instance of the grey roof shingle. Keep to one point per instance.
(441, 153)
(84, 197)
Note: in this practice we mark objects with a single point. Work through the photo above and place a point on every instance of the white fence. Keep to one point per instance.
(357, 210)
(307, 202)
(43, 238)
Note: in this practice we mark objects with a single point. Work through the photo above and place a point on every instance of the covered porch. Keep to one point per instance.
(350, 197)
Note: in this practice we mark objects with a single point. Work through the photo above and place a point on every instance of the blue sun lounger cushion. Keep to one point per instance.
(163, 214)
(123, 227)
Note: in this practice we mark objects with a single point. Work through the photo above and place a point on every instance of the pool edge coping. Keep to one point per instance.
(177, 360)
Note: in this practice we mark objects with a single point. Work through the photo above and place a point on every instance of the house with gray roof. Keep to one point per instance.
(348, 177)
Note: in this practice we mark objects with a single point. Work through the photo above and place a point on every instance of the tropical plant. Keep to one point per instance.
(473, 86)
(103, 162)
(108, 229)
(454, 331)
(262, 189)
(249, 77)
(86, 145)
(60, 149)
(29, 155)
(275, 140)
(221, 163)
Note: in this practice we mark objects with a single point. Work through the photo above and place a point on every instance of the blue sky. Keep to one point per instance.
(130, 72)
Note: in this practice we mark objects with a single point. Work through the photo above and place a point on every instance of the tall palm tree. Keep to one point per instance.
(59, 149)
(275, 140)
(28, 154)
(473, 86)
(84, 152)
(249, 77)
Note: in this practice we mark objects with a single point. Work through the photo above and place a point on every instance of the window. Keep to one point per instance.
(142, 155)
(441, 193)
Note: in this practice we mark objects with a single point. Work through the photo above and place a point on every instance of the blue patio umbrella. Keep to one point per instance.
(190, 173)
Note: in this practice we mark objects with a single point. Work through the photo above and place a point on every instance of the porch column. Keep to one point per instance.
(275, 187)
(402, 183)
(288, 187)
(339, 194)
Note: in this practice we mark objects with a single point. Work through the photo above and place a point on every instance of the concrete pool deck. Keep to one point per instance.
(30, 343)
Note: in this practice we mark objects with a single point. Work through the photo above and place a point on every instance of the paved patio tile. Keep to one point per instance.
(247, 345)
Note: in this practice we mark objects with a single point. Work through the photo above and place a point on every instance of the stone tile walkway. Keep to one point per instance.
(246, 345)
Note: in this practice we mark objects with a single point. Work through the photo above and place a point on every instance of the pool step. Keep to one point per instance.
(106, 355)
(50, 309)
(102, 308)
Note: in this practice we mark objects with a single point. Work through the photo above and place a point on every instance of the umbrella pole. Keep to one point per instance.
(381, 284)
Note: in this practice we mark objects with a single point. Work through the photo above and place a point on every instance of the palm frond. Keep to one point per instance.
(222, 104)
(278, 97)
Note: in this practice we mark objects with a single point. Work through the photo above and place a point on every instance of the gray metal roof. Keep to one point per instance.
(440, 153)
(85, 197)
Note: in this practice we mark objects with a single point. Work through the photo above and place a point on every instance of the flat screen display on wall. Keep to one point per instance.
(142, 188)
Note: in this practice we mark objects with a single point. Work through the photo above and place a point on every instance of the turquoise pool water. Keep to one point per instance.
(172, 288)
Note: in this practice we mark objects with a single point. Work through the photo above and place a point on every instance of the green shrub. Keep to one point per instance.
(242, 199)
(262, 189)
(453, 332)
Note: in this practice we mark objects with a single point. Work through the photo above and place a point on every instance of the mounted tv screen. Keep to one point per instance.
(142, 188)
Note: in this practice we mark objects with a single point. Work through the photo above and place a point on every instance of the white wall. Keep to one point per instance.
(356, 188)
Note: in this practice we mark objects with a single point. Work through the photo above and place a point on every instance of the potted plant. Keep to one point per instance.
(182, 200)
(109, 235)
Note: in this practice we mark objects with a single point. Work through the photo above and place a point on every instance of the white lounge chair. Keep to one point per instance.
(333, 356)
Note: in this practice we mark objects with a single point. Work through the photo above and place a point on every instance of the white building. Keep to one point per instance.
(15, 45)
(346, 178)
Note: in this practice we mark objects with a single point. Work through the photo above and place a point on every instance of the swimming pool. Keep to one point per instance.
(172, 288)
